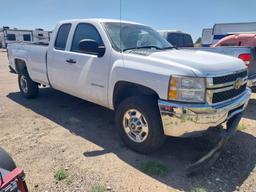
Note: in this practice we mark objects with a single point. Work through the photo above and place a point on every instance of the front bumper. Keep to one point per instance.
(184, 120)
(252, 81)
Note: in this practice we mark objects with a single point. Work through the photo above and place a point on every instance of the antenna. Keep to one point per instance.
(120, 16)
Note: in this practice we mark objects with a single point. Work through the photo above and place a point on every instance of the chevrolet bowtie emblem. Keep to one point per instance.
(238, 83)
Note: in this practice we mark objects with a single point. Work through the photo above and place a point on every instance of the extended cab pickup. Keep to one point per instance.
(155, 89)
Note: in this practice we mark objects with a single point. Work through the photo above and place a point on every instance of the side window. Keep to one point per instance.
(11, 37)
(62, 36)
(85, 31)
(26, 37)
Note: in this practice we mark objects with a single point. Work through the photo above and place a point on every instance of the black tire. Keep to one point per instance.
(6, 162)
(32, 87)
(148, 107)
(253, 89)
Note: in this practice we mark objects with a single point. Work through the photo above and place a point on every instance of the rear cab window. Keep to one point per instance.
(62, 36)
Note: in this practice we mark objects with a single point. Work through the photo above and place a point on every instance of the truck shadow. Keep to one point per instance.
(96, 124)
(250, 112)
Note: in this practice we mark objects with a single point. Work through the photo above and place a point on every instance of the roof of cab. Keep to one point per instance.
(99, 20)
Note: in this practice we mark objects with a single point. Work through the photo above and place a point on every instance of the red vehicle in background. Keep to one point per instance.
(12, 179)
(239, 45)
(245, 40)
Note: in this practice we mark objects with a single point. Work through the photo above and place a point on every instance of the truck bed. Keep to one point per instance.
(35, 57)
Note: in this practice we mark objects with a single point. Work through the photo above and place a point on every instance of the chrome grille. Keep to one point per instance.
(229, 78)
(224, 87)
(226, 95)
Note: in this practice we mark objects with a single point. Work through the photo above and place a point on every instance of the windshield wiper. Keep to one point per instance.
(143, 47)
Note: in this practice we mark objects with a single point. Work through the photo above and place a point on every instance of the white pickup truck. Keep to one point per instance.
(154, 89)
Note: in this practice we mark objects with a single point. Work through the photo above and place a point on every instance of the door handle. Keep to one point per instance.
(71, 61)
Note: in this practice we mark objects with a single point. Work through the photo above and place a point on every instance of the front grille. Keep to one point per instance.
(229, 78)
(226, 95)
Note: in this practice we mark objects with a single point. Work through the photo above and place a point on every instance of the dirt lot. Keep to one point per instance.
(57, 131)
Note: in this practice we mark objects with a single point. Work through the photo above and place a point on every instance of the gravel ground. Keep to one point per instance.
(57, 131)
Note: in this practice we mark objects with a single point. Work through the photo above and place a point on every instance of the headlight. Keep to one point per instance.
(188, 89)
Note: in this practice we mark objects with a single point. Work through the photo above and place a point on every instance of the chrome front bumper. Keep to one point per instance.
(184, 120)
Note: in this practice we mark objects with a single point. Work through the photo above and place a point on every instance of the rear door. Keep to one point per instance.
(58, 68)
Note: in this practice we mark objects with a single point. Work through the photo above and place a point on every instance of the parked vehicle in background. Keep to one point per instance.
(222, 30)
(14, 35)
(248, 41)
(155, 89)
(177, 38)
(41, 36)
(24, 36)
(244, 40)
(207, 37)
(242, 46)
(211, 36)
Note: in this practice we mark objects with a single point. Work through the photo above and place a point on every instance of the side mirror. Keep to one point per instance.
(90, 46)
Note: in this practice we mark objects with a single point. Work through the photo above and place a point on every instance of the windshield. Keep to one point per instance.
(126, 36)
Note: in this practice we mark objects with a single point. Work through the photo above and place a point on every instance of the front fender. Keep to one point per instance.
(147, 78)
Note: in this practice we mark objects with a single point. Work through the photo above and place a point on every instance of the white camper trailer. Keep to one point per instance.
(16, 35)
(41, 36)
(38, 36)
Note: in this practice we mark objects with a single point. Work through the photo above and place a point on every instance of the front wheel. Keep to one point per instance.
(139, 124)
(28, 88)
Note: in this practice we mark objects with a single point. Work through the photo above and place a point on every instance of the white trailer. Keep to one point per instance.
(41, 36)
(16, 35)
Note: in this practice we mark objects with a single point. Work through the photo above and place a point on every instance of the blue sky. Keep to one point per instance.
(188, 15)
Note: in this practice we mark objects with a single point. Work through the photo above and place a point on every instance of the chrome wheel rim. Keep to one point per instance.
(135, 125)
(24, 84)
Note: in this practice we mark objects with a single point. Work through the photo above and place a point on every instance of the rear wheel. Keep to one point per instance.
(6, 162)
(28, 88)
(139, 124)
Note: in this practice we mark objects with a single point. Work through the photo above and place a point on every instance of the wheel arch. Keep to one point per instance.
(124, 89)
(20, 65)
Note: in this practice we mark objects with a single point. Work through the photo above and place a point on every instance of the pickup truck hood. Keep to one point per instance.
(202, 63)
